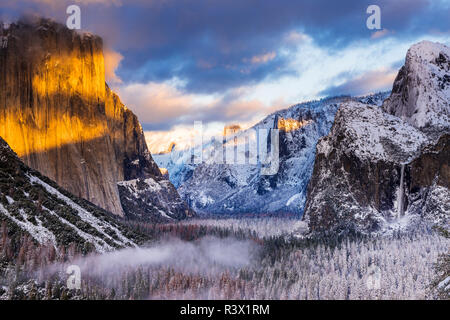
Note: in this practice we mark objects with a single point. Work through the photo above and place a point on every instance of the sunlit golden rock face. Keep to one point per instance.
(59, 116)
(291, 124)
(164, 172)
(231, 129)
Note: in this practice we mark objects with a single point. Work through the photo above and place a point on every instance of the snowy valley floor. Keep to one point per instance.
(240, 259)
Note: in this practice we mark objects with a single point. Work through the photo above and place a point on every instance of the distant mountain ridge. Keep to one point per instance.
(237, 189)
(62, 119)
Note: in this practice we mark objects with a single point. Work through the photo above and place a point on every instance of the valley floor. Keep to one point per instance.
(240, 259)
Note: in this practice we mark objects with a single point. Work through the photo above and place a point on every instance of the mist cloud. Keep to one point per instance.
(208, 255)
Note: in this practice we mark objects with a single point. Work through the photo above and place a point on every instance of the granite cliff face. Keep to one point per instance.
(421, 91)
(428, 183)
(60, 117)
(385, 169)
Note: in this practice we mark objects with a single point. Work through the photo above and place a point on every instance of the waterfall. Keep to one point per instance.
(401, 192)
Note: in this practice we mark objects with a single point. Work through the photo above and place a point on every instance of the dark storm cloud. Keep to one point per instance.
(210, 44)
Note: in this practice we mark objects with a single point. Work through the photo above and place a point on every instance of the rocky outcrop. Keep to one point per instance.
(61, 118)
(428, 183)
(145, 193)
(357, 180)
(421, 91)
(384, 169)
(152, 200)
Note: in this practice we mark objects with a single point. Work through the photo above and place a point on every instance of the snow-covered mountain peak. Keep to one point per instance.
(421, 91)
(427, 51)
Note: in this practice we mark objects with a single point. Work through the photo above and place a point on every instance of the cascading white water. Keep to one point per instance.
(401, 192)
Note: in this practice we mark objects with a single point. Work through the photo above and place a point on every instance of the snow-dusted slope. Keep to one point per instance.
(240, 188)
(372, 134)
(33, 204)
(421, 91)
(178, 163)
(158, 197)
(380, 171)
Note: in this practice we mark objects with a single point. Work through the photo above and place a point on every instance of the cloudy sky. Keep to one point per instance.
(234, 61)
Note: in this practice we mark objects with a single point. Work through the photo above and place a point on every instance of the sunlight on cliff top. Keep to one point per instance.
(288, 125)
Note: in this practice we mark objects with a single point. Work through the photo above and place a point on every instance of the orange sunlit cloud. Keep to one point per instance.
(156, 102)
(112, 61)
(380, 34)
(162, 102)
(381, 78)
(263, 58)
